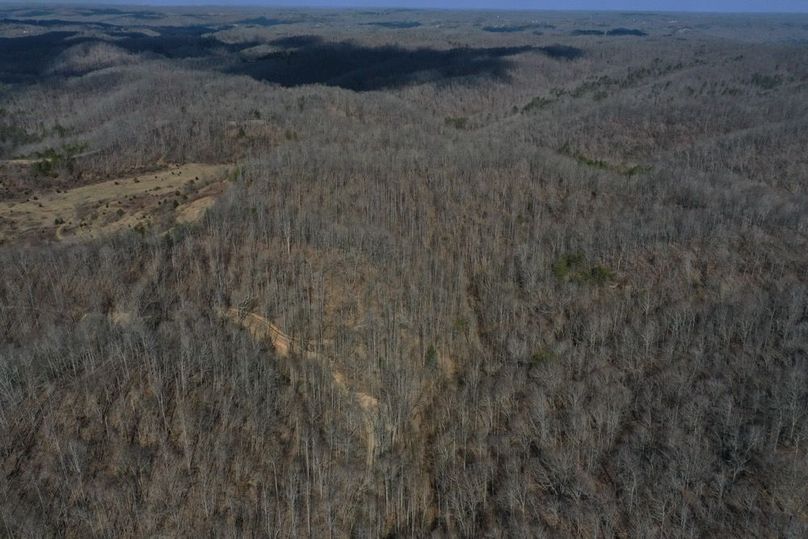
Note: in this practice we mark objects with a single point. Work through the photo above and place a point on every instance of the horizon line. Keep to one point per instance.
(348, 6)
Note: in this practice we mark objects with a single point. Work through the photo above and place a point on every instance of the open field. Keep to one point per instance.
(106, 207)
(393, 273)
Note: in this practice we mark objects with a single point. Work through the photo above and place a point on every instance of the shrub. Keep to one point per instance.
(431, 357)
(573, 267)
(766, 82)
(457, 123)
(51, 161)
(567, 265)
(600, 275)
(537, 103)
(542, 355)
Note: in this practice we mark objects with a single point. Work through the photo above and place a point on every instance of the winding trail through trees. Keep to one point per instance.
(262, 329)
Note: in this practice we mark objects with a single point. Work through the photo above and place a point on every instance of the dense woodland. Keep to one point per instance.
(546, 274)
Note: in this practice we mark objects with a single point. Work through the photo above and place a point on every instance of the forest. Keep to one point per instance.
(395, 273)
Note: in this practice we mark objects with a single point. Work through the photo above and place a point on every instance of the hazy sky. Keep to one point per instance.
(638, 5)
(629, 5)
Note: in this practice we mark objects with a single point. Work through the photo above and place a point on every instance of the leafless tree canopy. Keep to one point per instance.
(467, 275)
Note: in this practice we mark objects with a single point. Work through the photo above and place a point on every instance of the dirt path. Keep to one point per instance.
(18, 162)
(262, 329)
(103, 208)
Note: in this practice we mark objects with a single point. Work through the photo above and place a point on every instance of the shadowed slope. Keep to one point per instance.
(309, 60)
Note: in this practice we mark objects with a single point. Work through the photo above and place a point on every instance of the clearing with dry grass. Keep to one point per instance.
(90, 211)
